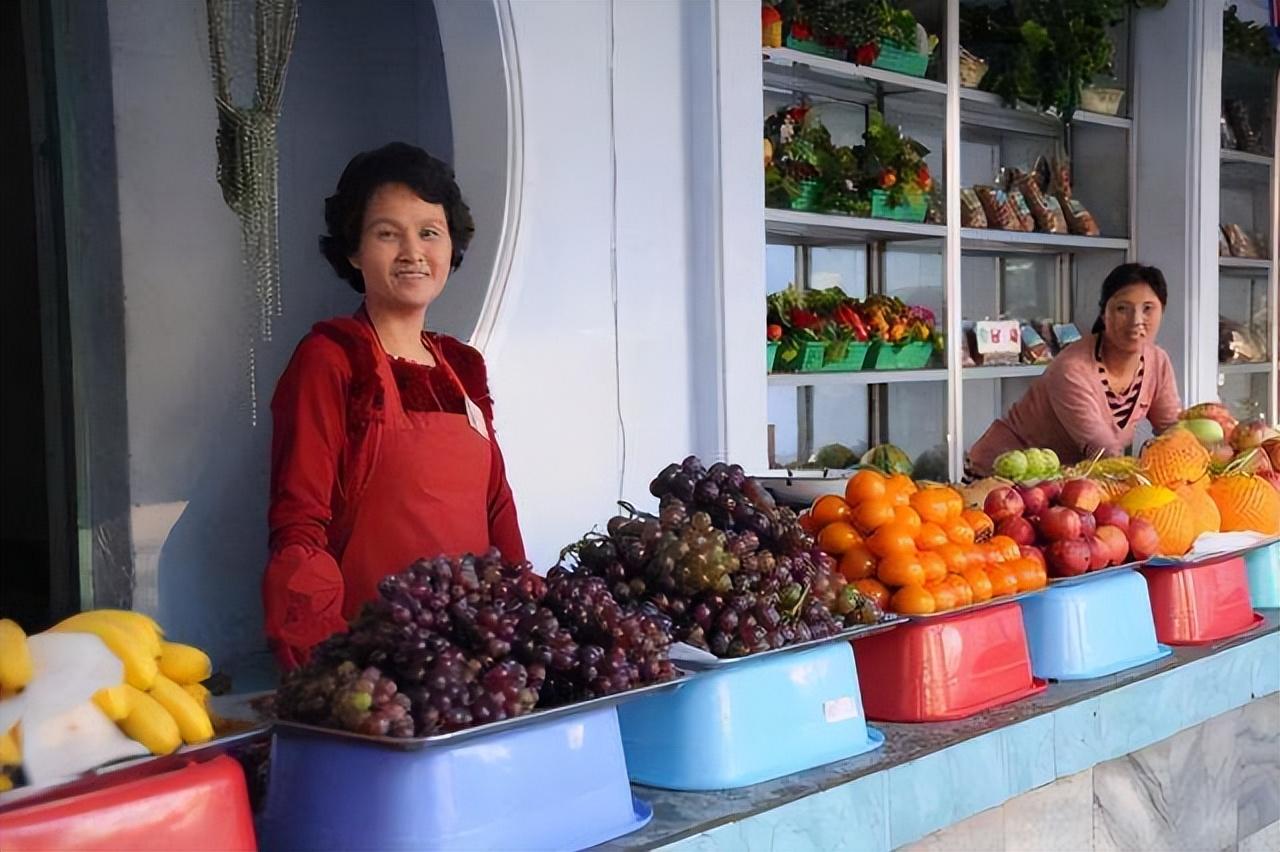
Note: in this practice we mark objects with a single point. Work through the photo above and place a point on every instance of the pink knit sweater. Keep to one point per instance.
(1066, 410)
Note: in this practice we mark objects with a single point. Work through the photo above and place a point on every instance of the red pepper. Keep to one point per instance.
(803, 319)
(866, 53)
(859, 328)
(845, 315)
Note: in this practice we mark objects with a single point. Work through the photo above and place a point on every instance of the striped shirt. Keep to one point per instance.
(1121, 404)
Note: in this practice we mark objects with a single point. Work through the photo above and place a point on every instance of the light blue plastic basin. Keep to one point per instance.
(751, 722)
(1091, 629)
(558, 785)
(1263, 566)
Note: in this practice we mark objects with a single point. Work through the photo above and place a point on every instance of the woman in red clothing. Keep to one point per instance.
(383, 448)
(1097, 390)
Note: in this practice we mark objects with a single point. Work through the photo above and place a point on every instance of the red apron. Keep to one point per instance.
(426, 494)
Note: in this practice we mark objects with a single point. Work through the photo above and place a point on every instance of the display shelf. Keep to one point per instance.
(1247, 368)
(1018, 371)
(989, 110)
(1232, 156)
(987, 240)
(794, 69)
(1245, 264)
(794, 227)
(861, 377)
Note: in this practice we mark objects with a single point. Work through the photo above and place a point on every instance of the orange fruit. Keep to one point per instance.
(806, 523)
(835, 538)
(874, 589)
(907, 515)
(945, 596)
(955, 503)
(954, 555)
(979, 584)
(934, 568)
(912, 600)
(1028, 573)
(931, 503)
(962, 587)
(930, 536)
(828, 509)
(899, 488)
(870, 515)
(1005, 546)
(864, 485)
(893, 537)
(1004, 580)
(857, 563)
(980, 522)
(959, 532)
(901, 569)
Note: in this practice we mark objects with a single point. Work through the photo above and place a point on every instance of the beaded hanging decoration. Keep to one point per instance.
(248, 151)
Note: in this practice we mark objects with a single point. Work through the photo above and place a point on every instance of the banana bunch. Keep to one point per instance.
(160, 704)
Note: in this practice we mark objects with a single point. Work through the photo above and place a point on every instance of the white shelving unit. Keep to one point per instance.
(968, 273)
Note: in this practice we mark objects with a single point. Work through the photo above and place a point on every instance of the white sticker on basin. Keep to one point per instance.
(840, 709)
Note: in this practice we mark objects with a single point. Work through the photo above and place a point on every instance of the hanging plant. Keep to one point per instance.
(1253, 43)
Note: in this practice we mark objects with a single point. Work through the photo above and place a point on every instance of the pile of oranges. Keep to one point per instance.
(916, 551)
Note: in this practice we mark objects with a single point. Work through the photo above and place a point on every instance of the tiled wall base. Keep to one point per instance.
(1214, 786)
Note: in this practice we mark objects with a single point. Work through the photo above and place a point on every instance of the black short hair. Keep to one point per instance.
(430, 179)
(1124, 275)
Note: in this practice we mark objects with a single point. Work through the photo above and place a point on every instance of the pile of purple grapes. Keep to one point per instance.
(731, 572)
(456, 642)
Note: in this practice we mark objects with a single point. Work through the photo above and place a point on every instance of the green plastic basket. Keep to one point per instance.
(895, 56)
(808, 360)
(853, 359)
(770, 354)
(911, 211)
(807, 200)
(901, 356)
(804, 45)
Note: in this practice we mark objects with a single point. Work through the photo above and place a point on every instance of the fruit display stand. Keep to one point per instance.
(749, 720)
(560, 776)
(948, 666)
(1084, 629)
(1196, 602)
(196, 806)
(1263, 567)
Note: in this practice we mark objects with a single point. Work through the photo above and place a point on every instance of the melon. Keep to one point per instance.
(887, 459)
(1174, 458)
(1246, 502)
(1173, 519)
(1212, 411)
(1207, 432)
(1204, 512)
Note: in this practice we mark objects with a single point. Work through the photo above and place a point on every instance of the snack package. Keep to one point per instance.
(1026, 222)
(1237, 343)
(1045, 209)
(999, 342)
(995, 204)
(971, 213)
(1240, 243)
(1034, 348)
(1060, 180)
(1066, 334)
(969, 349)
(1079, 220)
(1044, 327)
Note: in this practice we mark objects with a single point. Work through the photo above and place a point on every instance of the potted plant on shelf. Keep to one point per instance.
(893, 172)
(866, 32)
(799, 346)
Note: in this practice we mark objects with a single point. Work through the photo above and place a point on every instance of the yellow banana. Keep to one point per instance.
(183, 663)
(193, 721)
(139, 664)
(6, 783)
(15, 656)
(135, 624)
(114, 701)
(10, 751)
(150, 724)
(199, 692)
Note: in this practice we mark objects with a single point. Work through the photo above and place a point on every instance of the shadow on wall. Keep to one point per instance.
(361, 75)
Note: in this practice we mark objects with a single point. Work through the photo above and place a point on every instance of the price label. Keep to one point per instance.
(998, 336)
(840, 709)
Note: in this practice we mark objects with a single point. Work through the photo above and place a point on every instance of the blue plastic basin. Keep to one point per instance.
(1263, 566)
(751, 722)
(1091, 629)
(558, 785)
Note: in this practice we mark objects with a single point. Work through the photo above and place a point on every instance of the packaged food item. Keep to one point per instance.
(1046, 210)
(1240, 243)
(1224, 247)
(1237, 343)
(1034, 348)
(1060, 179)
(1079, 220)
(971, 213)
(1026, 222)
(968, 352)
(1247, 136)
(995, 204)
(1044, 327)
(999, 342)
(1226, 136)
(1066, 334)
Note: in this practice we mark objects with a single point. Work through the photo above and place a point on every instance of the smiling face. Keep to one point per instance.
(1132, 318)
(404, 252)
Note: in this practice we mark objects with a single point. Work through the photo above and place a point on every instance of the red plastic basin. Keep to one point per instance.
(950, 668)
(201, 806)
(1200, 603)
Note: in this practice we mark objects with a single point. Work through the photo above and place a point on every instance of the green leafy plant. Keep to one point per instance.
(1248, 41)
(853, 26)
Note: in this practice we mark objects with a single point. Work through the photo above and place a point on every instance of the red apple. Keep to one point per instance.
(1003, 502)
(1033, 552)
(1068, 557)
(1083, 494)
(1099, 553)
(1116, 541)
(1052, 488)
(1017, 528)
(1144, 542)
(1088, 526)
(1034, 501)
(1058, 523)
(1111, 515)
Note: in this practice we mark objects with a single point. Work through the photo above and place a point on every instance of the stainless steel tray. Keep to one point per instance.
(965, 610)
(705, 662)
(1057, 582)
(505, 726)
(1169, 562)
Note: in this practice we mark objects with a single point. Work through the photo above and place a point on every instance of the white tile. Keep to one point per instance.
(982, 832)
(1266, 840)
(1057, 817)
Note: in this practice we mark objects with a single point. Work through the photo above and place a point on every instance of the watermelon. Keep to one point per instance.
(887, 459)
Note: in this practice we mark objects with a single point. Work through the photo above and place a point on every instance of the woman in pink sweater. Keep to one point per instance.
(1094, 394)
